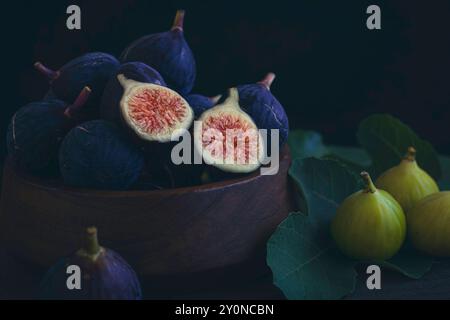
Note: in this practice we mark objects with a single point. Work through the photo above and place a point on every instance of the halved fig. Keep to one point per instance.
(227, 137)
(153, 112)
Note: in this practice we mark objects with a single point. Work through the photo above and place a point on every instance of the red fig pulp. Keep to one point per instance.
(228, 138)
(153, 112)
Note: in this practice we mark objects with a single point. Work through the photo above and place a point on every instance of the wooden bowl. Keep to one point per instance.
(160, 233)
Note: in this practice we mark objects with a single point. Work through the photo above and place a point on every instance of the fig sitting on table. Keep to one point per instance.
(369, 224)
(429, 224)
(407, 182)
(104, 275)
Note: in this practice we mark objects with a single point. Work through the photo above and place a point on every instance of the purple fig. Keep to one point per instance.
(97, 154)
(92, 69)
(104, 275)
(267, 112)
(167, 52)
(37, 129)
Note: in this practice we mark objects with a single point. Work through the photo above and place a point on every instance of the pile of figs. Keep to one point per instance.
(109, 123)
(373, 223)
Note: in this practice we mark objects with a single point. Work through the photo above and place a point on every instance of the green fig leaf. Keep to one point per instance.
(356, 159)
(304, 144)
(305, 263)
(386, 139)
(324, 184)
(409, 262)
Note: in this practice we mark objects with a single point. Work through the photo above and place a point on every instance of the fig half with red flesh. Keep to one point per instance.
(154, 112)
(138, 71)
(228, 138)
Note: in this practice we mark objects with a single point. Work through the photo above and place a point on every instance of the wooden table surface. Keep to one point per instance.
(19, 281)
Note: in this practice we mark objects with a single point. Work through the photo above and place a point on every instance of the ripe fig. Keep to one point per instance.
(429, 224)
(228, 138)
(91, 69)
(167, 52)
(369, 224)
(138, 71)
(96, 154)
(267, 112)
(407, 182)
(153, 112)
(37, 129)
(200, 103)
(104, 275)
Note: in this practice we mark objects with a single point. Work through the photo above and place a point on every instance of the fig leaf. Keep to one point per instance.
(354, 158)
(324, 184)
(386, 139)
(305, 143)
(301, 253)
(306, 264)
(409, 262)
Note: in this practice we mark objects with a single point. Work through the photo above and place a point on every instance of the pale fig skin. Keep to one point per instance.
(407, 182)
(369, 224)
(429, 224)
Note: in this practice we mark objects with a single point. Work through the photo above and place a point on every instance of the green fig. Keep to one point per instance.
(407, 182)
(369, 224)
(429, 224)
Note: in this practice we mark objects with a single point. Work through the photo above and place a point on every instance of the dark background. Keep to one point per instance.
(331, 70)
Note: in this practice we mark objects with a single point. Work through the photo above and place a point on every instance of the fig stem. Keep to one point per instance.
(268, 80)
(233, 98)
(125, 82)
(49, 73)
(79, 102)
(91, 241)
(370, 187)
(411, 154)
(178, 22)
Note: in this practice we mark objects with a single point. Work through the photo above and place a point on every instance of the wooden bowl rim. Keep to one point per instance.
(43, 184)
